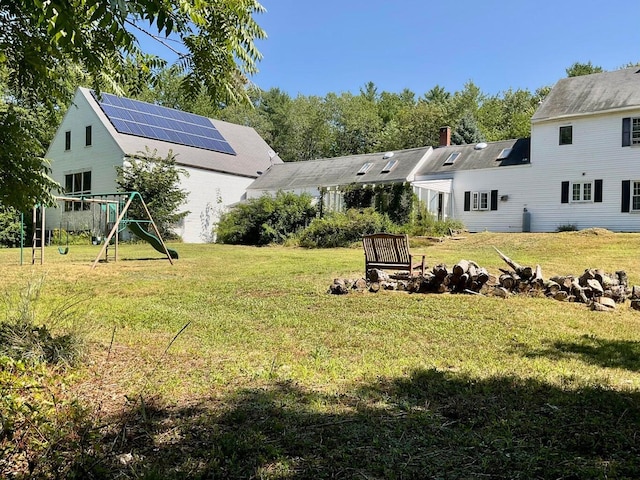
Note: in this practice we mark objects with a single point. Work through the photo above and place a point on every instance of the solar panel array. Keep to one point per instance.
(146, 120)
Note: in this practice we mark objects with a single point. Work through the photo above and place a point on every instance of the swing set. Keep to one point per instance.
(108, 213)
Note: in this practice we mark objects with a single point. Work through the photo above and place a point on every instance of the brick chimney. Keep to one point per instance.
(445, 136)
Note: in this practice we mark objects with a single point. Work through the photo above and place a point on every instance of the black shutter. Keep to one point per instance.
(597, 194)
(494, 199)
(564, 195)
(626, 195)
(467, 201)
(626, 132)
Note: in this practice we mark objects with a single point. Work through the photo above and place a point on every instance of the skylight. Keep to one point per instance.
(504, 153)
(451, 158)
(365, 168)
(389, 166)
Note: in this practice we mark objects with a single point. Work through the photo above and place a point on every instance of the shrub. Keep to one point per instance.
(569, 227)
(10, 227)
(266, 220)
(342, 229)
(425, 223)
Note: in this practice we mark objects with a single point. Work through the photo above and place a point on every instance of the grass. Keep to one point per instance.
(274, 378)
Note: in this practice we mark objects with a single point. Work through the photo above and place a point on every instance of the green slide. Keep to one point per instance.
(138, 229)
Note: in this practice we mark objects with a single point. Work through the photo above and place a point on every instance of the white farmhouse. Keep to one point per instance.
(581, 167)
(97, 134)
(585, 153)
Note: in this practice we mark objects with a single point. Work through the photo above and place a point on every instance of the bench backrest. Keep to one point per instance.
(386, 248)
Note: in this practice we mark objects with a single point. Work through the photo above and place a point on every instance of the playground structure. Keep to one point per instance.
(106, 210)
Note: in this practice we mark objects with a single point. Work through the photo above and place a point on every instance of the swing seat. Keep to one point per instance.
(63, 250)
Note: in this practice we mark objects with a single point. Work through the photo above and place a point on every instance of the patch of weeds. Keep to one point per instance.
(27, 331)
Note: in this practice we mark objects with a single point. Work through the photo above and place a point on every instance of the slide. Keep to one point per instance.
(140, 232)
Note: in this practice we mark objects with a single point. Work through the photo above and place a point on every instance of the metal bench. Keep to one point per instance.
(386, 251)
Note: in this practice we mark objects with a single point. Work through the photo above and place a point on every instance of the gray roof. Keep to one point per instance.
(472, 158)
(587, 94)
(341, 171)
(252, 152)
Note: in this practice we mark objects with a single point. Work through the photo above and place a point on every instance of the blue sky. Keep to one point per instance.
(314, 48)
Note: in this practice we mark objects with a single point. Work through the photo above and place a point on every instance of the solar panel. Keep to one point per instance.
(142, 119)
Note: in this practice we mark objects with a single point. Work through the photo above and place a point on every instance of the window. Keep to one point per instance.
(389, 166)
(77, 184)
(480, 201)
(67, 140)
(635, 197)
(581, 191)
(451, 158)
(87, 136)
(504, 153)
(365, 168)
(566, 135)
(630, 131)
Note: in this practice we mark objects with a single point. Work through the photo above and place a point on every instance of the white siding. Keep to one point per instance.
(596, 153)
(210, 194)
(101, 158)
(513, 198)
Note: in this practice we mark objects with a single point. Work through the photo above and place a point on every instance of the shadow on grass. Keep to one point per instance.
(603, 353)
(431, 424)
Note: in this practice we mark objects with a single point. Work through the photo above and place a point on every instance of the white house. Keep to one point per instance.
(325, 177)
(585, 153)
(580, 168)
(98, 134)
(481, 185)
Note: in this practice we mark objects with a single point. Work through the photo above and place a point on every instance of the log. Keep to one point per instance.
(338, 287)
(595, 286)
(561, 296)
(507, 281)
(563, 281)
(461, 267)
(622, 277)
(635, 304)
(376, 275)
(483, 276)
(552, 287)
(579, 291)
(374, 287)
(509, 262)
(537, 273)
(501, 292)
(635, 292)
(360, 285)
(440, 271)
(588, 274)
(605, 302)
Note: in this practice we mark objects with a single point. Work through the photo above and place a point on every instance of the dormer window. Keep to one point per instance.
(365, 168)
(451, 158)
(389, 166)
(504, 153)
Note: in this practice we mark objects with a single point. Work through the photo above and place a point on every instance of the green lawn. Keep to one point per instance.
(275, 378)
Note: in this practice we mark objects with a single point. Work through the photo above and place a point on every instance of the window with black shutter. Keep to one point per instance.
(626, 132)
(494, 199)
(564, 192)
(597, 191)
(626, 195)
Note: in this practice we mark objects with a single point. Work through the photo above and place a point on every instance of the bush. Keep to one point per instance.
(569, 227)
(10, 227)
(266, 220)
(342, 229)
(425, 223)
